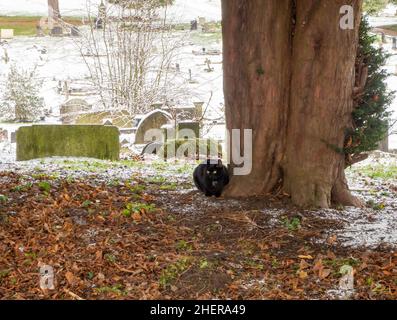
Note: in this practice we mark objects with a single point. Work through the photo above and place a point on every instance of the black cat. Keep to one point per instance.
(211, 178)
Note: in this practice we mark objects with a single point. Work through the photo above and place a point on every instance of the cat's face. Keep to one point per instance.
(214, 172)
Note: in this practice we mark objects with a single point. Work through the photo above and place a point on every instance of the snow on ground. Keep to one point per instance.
(61, 60)
(376, 225)
(370, 227)
(183, 10)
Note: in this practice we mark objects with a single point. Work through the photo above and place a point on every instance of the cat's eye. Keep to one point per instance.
(208, 172)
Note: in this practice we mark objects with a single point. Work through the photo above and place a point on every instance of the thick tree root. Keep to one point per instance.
(341, 195)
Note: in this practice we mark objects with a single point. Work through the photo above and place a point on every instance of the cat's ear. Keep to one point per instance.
(220, 163)
(208, 162)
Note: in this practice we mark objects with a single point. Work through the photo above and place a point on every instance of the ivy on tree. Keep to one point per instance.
(371, 98)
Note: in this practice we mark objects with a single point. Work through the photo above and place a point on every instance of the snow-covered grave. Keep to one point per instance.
(59, 60)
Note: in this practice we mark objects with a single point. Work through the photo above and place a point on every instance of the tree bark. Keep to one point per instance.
(53, 10)
(257, 49)
(300, 106)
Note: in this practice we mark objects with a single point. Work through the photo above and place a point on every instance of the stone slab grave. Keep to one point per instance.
(91, 141)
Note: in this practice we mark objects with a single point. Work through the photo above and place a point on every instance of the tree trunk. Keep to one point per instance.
(257, 50)
(53, 10)
(289, 76)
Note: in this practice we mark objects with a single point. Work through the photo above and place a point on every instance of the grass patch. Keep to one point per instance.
(379, 172)
(135, 207)
(22, 187)
(45, 186)
(173, 271)
(3, 198)
(26, 26)
(201, 38)
(292, 224)
(117, 289)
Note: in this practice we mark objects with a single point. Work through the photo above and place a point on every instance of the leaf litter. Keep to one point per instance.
(138, 230)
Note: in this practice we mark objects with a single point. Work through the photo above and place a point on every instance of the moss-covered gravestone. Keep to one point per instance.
(188, 130)
(40, 141)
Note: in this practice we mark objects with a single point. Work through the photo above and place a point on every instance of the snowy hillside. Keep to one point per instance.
(183, 10)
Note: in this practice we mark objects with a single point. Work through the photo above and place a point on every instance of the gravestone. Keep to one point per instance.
(39, 31)
(198, 109)
(98, 23)
(72, 108)
(193, 25)
(75, 32)
(57, 31)
(201, 21)
(13, 137)
(184, 126)
(383, 37)
(153, 120)
(92, 141)
(394, 43)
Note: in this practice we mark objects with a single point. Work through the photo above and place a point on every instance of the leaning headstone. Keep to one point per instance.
(75, 32)
(98, 23)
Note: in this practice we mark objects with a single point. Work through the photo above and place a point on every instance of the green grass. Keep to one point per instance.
(173, 271)
(3, 198)
(26, 26)
(45, 186)
(135, 207)
(206, 38)
(292, 224)
(117, 289)
(379, 172)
